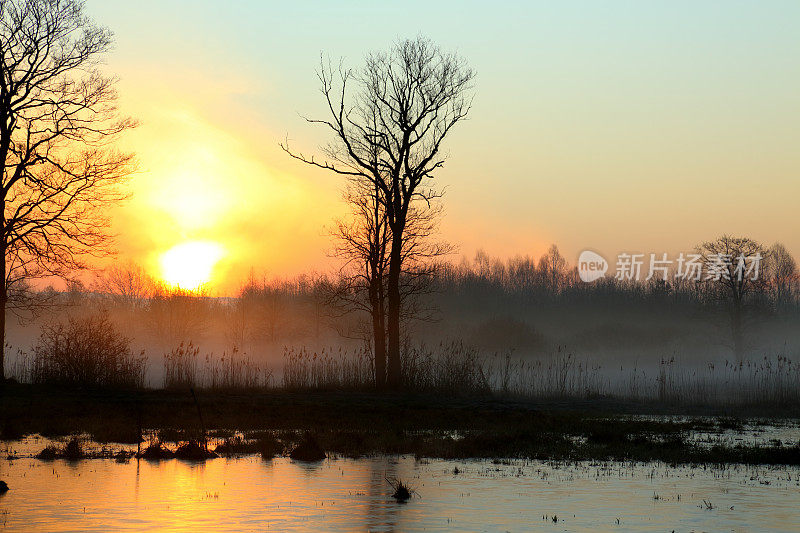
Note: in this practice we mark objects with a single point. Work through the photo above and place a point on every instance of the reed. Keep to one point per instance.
(184, 369)
(456, 368)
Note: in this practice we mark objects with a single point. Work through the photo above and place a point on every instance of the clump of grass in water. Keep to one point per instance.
(194, 450)
(155, 451)
(235, 445)
(402, 492)
(49, 453)
(123, 456)
(72, 451)
(269, 447)
(266, 445)
(308, 450)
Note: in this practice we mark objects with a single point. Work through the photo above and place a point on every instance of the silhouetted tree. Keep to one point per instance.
(553, 268)
(58, 117)
(176, 316)
(733, 271)
(363, 241)
(783, 274)
(390, 134)
(127, 285)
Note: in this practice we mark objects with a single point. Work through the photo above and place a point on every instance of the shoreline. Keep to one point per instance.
(354, 424)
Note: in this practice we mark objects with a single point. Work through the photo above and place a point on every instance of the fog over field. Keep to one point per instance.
(527, 327)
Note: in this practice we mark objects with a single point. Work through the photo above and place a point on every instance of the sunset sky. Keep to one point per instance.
(616, 126)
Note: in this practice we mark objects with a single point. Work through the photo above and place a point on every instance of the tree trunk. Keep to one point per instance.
(3, 303)
(378, 334)
(393, 315)
(736, 332)
(3, 335)
(3, 286)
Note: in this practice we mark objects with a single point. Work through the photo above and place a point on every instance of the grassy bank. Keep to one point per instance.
(354, 424)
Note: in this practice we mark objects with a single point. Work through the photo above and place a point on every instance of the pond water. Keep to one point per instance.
(252, 494)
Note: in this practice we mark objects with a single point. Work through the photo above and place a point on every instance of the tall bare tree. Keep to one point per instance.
(390, 134)
(58, 119)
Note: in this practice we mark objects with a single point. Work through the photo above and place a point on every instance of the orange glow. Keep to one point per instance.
(210, 179)
(190, 264)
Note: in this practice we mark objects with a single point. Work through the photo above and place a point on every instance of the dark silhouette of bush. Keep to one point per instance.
(86, 352)
(308, 450)
(194, 450)
(155, 451)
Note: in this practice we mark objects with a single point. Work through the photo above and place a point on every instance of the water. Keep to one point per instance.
(251, 494)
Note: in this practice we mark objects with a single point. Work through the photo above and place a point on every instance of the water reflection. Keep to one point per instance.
(251, 494)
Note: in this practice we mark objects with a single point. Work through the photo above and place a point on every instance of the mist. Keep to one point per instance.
(531, 330)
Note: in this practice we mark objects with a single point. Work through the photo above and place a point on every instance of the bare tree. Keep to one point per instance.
(176, 316)
(58, 118)
(363, 241)
(553, 269)
(734, 276)
(390, 134)
(783, 274)
(128, 285)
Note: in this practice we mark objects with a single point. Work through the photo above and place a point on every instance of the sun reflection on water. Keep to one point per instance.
(251, 494)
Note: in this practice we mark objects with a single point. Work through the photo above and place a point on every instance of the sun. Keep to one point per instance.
(190, 264)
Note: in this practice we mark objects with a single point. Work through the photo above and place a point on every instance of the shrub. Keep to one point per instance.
(86, 352)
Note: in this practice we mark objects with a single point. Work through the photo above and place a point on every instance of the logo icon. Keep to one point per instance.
(591, 266)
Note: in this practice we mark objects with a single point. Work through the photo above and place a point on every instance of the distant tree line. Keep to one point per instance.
(301, 310)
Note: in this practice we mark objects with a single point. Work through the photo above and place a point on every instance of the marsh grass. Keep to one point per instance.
(156, 452)
(180, 367)
(459, 369)
(49, 453)
(344, 425)
(326, 369)
(184, 369)
(90, 353)
(453, 367)
(769, 381)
